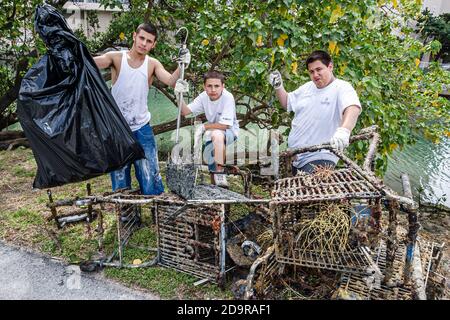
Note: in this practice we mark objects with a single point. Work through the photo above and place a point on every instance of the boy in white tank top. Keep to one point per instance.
(132, 74)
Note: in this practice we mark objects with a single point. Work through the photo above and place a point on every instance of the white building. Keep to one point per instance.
(437, 7)
(78, 15)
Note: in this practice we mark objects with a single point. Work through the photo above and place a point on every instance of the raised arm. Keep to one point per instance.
(105, 60)
(164, 76)
(167, 78)
(277, 83)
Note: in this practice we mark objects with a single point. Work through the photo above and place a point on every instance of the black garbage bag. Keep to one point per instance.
(74, 126)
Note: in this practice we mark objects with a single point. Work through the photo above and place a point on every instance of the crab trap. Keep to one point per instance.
(193, 234)
(332, 220)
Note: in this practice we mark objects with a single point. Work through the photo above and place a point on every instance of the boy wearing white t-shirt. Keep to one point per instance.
(222, 128)
(326, 110)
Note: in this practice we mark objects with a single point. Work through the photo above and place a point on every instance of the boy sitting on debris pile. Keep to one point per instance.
(222, 128)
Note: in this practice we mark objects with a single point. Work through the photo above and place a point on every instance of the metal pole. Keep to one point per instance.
(180, 96)
(222, 245)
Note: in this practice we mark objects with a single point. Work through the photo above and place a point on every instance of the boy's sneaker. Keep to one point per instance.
(221, 180)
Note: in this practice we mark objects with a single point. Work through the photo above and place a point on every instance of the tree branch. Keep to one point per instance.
(13, 92)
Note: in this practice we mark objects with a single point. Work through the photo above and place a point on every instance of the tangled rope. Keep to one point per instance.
(327, 232)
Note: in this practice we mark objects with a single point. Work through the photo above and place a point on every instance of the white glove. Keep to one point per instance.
(340, 139)
(198, 143)
(199, 132)
(184, 57)
(181, 86)
(275, 79)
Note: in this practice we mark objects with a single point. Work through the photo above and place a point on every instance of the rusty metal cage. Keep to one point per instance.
(298, 200)
(192, 234)
(191, 242)
(353, 257)
(373, 287)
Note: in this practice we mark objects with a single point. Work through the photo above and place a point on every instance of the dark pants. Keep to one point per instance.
(311, 166)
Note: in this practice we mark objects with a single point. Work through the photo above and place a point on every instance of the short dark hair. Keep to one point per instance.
(212, 74)
(321, 55)
(148, 27)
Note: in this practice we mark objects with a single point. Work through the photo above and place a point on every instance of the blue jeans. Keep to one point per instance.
(147, 169)
(209, 149)
(311, 166)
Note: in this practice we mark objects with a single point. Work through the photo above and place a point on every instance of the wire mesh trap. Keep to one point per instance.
(373, 286)
(318, 236)
(192, 235)
(192, 243)
(336, 185)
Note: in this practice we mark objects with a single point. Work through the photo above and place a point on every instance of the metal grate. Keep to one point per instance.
(204, 192)
(355, 259)
(336, 185)
(264, 282)
(190, 243)
(368, 288)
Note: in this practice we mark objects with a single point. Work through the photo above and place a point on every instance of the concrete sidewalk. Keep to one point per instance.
(30, 276)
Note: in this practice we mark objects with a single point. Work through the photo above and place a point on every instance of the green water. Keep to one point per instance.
(428, 168)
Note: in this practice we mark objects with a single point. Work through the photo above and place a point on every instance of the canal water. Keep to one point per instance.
(428, 168)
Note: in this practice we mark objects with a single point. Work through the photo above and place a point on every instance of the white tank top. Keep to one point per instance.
(131, 91)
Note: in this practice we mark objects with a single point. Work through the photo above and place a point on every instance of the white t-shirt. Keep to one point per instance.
(222, 110)
(318, 113)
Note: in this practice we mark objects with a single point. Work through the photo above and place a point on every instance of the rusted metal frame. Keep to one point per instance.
(100, 229)
(89, 217)
(329, 198)
(366, 174)
(246, 177)
(119, 238)
(369, 133)
(376, 183)
(413, 228)
(249, 291)
(52, 206)
(374, 141)
(222, 246)
(226, 201)
(158, 233)
(376, 213)
(88, 191)
(392, 241)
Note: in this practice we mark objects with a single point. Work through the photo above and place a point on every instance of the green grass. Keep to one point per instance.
(20, 171)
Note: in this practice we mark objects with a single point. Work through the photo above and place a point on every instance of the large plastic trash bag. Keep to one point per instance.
(74, 126)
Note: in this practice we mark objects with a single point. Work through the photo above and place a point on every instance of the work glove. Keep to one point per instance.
(275, 79)
(198, 135)
(181, 86)
(340, 139)
(199, 131)
(184, 57)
